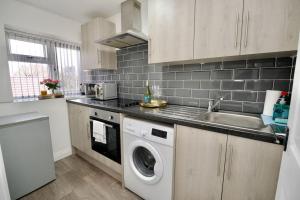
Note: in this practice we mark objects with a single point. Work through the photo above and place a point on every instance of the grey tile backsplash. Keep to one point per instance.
(243, 83)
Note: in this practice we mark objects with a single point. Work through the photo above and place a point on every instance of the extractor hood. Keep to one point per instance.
(131, 25)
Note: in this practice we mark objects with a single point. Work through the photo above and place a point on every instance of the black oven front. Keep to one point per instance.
(111, 148)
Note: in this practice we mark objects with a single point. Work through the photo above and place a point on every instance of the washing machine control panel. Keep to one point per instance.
(159, 133)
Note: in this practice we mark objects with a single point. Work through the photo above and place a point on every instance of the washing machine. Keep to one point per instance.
(148, 150)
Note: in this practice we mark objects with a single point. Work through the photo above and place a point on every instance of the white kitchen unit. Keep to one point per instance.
(4, 192)
(94, 55)
(212, 165)
(27, 152)
(289, 178)
(148, 158)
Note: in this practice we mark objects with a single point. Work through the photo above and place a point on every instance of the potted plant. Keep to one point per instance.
(51, 85)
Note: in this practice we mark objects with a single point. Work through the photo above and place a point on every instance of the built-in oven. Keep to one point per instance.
(106, 141)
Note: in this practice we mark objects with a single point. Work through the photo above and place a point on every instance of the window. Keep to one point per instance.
(34, 58)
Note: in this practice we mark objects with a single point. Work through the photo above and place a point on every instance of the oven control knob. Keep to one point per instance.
(110, 117)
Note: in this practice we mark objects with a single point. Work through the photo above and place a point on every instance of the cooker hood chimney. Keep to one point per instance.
(131, 26)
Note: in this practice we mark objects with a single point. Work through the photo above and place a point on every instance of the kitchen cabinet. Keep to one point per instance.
(171, 30)
(199, 168)
(251, 170)
(217, 28)
(217, 166)
(270, 26)
(210, 29)
(94, 55)
(79, 127)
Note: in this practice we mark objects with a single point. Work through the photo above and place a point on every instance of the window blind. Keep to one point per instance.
(33, 58)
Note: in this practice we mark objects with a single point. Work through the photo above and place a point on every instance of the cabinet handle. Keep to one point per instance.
(236, 28)
(99, 56)
(246, 31)
(229, 162)
(220, 159)
(88, 130)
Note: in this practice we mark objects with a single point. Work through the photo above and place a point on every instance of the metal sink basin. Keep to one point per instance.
(241, 121)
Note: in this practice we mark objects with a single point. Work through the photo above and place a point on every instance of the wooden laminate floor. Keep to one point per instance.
(76, 179)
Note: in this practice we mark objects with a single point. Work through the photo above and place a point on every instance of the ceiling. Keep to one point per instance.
(78, 10)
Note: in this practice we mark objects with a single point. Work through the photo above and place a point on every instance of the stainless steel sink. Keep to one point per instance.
(241, 121)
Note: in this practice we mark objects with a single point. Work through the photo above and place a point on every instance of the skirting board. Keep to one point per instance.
(62, 154)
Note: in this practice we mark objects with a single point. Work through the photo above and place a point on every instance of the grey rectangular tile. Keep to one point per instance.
(161, 68)
(168, 76)
(275, 73)
(231, 105)
(132, 49)
(134, 55)
(211, 66)
(148, 68)
(143, 76)
(190, 102)
(257, 63)
(246, 74)
(176, 68)
(244, 96)
(192, 67)
(191, 84)
(214, 94)
(234, 64)
(155, 76)
(183, 92)
(203, 103)
(175, 84)
(138, 83)
(175, 100)
(233, 85)
(261, 96)
(284, 62)
(201, 75)
(132, 76)
(200, 93)
(168, 92)
(259, 85)
(210, 84)
(253, 107)
(183, 75)
(143, 47)
(138, 69)
(221, 74)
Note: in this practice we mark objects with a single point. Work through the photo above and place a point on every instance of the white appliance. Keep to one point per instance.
(4, 192)
(106, 91)
(148, 159)
(289, 177)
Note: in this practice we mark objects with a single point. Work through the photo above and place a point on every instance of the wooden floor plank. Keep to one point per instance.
(76, 179)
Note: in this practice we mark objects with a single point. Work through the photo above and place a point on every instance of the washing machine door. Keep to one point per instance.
(145, 162)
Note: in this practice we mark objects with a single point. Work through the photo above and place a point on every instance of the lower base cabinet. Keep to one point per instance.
(215, 166)
(251, 170)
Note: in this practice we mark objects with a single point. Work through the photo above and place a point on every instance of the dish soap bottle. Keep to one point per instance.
(147, 95)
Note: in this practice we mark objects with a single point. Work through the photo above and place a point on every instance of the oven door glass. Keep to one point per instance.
(111, 147)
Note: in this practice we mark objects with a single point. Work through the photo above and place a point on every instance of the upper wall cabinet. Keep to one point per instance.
(209, 29)
(217, 28)
(171, 30)
(270, 26)
(93, 55)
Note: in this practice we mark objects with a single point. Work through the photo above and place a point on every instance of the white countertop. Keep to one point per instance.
(20, 118)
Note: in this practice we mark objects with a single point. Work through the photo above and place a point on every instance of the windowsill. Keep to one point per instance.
(32, 99)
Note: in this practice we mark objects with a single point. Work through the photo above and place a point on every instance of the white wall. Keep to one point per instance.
(24, 17)
(144, 12)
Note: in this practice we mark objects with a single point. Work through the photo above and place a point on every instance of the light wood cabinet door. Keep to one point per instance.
(218, 28)
(171, 30)
(94, 55)
(200, 158)
(79, 127)
(251, 169)
(270, 26)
